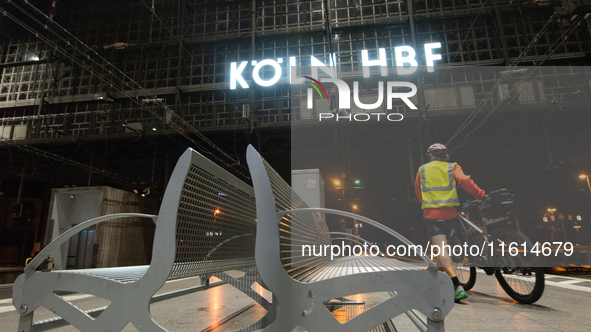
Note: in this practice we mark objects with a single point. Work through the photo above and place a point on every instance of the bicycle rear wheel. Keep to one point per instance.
(466, 274)
(518, 272)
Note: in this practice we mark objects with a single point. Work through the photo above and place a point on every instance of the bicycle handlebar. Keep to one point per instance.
(470, 204)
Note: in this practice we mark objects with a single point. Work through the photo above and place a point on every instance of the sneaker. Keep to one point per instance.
(460, 294)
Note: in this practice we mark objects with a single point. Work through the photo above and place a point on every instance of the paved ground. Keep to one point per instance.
(565, 306)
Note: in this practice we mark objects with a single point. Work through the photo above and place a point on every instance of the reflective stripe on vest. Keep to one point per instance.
(438, 196)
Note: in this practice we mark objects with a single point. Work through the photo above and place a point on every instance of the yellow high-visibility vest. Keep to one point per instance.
(438, 186)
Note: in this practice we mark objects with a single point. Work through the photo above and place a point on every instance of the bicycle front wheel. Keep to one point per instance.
(518, 272)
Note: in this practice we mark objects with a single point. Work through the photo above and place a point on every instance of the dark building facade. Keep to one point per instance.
(110, 92)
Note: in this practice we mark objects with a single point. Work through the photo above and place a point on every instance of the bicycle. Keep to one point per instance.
(520, 275)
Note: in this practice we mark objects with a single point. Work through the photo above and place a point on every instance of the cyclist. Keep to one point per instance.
(435, 187)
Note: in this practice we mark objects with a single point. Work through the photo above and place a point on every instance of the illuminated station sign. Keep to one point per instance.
(404, 56)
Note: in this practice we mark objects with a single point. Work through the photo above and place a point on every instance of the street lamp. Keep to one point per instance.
(577, 227)
(585, 176)
(215, 215)
(561, 217)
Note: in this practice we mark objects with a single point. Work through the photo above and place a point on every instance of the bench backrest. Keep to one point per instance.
(206, 223)
(293, 231)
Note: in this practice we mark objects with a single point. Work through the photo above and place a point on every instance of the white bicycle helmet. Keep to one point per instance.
(437, 147)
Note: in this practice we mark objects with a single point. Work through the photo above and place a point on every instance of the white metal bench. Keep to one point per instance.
(205, 226)
(301, 285)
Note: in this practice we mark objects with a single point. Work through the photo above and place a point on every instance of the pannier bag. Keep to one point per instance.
(496, 204)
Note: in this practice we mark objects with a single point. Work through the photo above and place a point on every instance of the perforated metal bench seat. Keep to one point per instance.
(350, 265)
(206, 226)
(182, 270)
(302, 284)
(121, 274)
